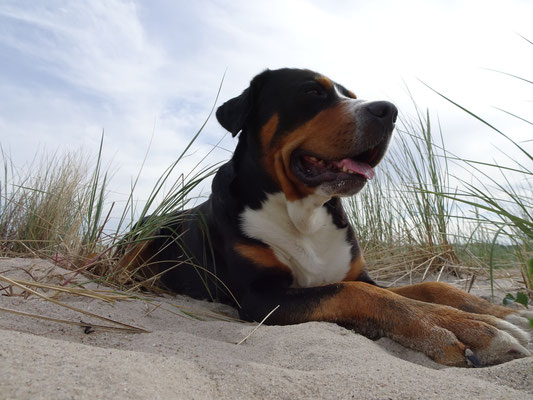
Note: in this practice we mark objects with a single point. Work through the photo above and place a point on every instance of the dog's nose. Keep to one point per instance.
(384, 110)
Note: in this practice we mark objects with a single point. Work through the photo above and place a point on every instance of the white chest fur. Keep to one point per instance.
(303, 236)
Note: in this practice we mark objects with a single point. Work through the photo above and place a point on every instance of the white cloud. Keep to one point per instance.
(99, 46)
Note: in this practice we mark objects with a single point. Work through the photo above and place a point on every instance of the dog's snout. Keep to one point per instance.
(383, 110)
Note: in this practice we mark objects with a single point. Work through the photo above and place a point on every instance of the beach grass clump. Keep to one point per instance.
(46, 208)
(502, 195)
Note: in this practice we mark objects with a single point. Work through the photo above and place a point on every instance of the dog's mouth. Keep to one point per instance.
(313, 170)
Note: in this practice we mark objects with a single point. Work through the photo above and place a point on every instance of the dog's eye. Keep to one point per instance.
(315, 92)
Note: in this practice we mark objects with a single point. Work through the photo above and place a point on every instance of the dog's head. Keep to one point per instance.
(309, 133)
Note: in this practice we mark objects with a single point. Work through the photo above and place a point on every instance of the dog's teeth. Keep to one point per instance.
(350, 172)
(344, 169)
(313, 158)
(321, 162)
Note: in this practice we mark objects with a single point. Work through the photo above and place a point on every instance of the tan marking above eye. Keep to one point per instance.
(325, 82)
(351, 94)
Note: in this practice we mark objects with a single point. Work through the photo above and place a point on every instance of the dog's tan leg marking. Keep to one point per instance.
(448, 295)
(441, 332)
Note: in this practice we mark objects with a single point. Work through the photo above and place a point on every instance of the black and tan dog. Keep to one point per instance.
(274, 231)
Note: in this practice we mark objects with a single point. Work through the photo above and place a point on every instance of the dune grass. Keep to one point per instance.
(46, 208)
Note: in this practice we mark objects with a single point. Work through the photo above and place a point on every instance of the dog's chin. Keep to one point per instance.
(341, 187)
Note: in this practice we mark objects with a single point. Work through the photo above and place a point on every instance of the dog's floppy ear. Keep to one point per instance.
(233, 113)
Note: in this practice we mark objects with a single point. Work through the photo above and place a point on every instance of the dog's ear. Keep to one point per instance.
(233, 113)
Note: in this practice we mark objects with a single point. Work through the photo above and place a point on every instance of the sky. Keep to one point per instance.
(147, 72)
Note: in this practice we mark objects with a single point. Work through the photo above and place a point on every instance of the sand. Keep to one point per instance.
(189, 358)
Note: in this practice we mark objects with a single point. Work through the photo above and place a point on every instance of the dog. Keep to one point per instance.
(273, 234)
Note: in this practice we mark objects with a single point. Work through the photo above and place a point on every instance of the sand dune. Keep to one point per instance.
(184, 357)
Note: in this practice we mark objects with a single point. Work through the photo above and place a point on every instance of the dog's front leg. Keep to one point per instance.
(447, 335)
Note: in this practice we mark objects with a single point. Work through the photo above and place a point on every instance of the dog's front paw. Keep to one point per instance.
(510, 341)
(458, 338)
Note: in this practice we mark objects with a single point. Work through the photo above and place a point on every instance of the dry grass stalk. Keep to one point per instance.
(125, 327)
(104, 295)
(74, 323)
(257, 326)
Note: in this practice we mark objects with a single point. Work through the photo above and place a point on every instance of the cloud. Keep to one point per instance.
(98, 46)
(94, 68)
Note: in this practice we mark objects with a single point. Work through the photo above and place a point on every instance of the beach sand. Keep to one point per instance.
(197, 357)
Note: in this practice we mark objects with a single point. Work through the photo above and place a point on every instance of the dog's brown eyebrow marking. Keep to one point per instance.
(325, 82)
(351, 94)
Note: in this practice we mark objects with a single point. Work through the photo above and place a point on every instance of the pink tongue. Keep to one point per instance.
(360, 168)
